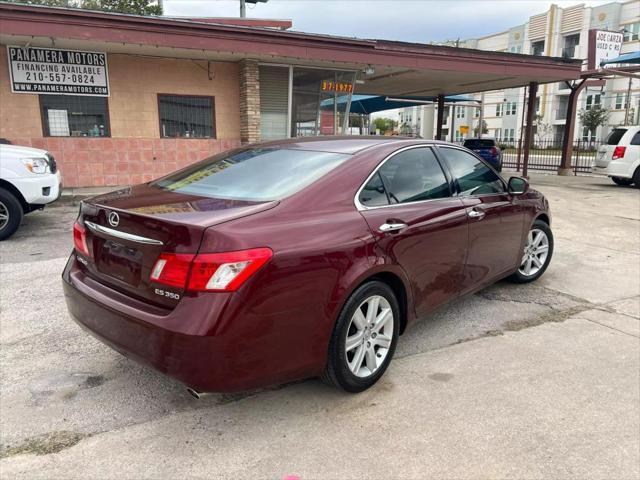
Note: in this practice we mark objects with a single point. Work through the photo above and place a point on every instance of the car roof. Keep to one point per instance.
(345, 144)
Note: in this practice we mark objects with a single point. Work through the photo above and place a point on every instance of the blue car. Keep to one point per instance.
(488, 149)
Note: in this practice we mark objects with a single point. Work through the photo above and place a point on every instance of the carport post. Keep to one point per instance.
(528, 133)
(440, 117)
(569, 127)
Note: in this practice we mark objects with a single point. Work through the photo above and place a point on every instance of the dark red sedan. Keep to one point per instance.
(297, 258)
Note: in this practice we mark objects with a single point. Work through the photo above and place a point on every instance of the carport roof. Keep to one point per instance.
(401, 68)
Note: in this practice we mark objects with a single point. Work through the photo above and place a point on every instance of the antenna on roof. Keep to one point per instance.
(243, 6)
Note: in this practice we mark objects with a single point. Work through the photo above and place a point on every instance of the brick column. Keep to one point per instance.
(249, 101)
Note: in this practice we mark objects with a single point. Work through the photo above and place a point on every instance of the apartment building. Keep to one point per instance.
(558, 32)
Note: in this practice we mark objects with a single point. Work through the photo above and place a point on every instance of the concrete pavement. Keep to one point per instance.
(516, 381)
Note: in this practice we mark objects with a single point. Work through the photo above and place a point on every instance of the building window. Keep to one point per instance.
(183, 116)
(570, 44)
(620, 101)
(476, 113)
(592, 101)
(631, 32)
(458, 136)
(498, 134)
(74, 116)
(510, 108)
(499, 110)
(460, 112)
(516, 49)
(537, 48)
(588, 135)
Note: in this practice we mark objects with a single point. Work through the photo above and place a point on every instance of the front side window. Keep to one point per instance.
(252, 174)
(183, 116)
(413, 175)
(472, 175)
(74, 116)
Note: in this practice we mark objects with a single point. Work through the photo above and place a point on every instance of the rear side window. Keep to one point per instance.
(615, 136)
(409, 176)
(479, 143)
(473, 176)
(253, 174)
(636, 139)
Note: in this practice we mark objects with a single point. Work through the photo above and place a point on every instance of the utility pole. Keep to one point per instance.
(627, 120)
(243, 6)
(481, 119)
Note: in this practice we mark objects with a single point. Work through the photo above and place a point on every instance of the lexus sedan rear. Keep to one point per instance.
(298, 258)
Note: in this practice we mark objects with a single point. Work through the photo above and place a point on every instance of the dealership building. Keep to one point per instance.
(121, 99)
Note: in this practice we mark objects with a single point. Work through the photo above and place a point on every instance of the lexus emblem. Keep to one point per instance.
(114, 219)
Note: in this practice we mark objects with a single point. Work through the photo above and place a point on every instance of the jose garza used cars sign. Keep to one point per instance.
(56, 71)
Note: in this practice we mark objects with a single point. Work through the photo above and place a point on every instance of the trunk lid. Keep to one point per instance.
(128, 229)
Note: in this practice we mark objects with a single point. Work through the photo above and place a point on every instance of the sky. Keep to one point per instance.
(406, 20)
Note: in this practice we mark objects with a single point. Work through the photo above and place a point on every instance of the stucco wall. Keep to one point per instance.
(135, 152)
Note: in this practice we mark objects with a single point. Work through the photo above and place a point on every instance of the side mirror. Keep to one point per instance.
(518, 185)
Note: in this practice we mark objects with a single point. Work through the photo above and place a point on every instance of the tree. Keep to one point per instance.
(542, 129)
(135, 7)
(384, 124)
(485, 129)
(594, 117)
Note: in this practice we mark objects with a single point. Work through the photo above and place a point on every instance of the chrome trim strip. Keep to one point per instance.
(124, 235)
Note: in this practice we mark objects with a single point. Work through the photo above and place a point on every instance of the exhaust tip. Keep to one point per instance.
(195, 393)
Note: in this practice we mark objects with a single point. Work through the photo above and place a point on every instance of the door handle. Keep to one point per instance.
(392, 227)
(476, 214)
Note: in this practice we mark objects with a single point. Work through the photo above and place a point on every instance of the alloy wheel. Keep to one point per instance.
(4, 215)
(369, 336)
(536, 251)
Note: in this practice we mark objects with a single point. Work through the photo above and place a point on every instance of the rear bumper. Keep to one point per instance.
(615, 168)
(198, 343)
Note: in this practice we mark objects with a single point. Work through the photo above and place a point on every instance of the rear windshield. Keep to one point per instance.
(479, 143)
(615, 136)
(252, 174)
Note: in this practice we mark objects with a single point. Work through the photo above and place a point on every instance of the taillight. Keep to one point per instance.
(80, 239)
(494, 151)
(209, 272)
(619, 152)
(172, 269)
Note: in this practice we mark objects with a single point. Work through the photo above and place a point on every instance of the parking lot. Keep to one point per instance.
(516, 381)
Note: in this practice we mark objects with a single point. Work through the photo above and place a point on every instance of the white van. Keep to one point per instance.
(29, 179)
(619, 156)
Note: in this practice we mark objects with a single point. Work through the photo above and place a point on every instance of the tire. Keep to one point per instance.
(636, 178)
(11, 209)
(342, 369)
(622, 181)
(529, 270)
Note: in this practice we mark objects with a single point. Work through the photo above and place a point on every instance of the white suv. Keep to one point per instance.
(619, 156)
(29, 179)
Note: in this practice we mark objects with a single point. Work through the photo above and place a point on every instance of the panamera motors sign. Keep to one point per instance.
(56, 71)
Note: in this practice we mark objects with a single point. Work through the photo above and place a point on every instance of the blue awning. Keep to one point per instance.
(633, 57)
(372, 103)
